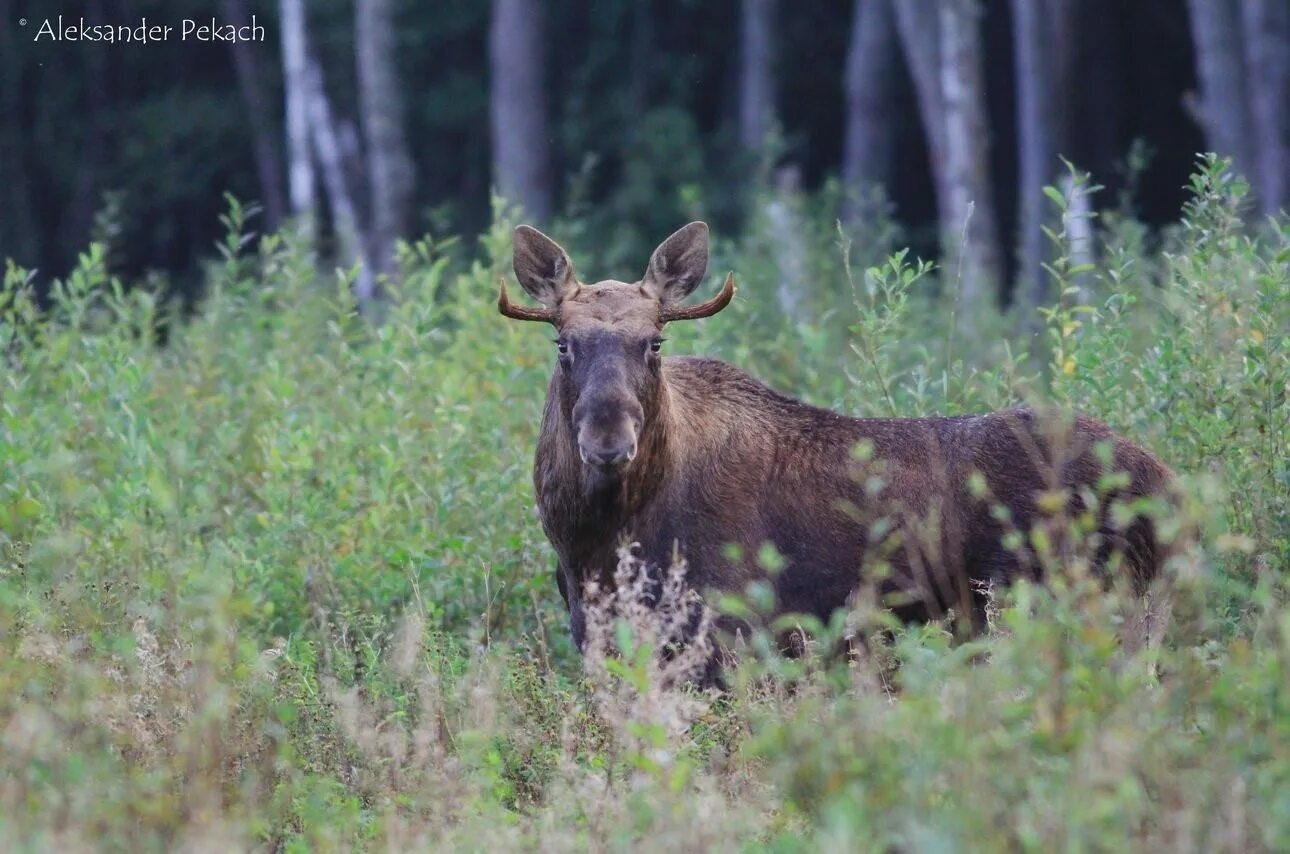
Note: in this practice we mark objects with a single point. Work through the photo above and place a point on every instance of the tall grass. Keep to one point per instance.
(279, 583)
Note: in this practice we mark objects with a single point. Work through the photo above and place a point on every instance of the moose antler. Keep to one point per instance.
(703, 309)
(519, 312)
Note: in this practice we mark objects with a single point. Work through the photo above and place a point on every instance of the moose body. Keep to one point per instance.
(688, 456)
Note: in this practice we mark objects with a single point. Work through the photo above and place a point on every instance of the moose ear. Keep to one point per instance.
(542, 268)
(678, 264)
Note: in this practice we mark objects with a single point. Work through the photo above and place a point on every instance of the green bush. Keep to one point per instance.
(278, 581)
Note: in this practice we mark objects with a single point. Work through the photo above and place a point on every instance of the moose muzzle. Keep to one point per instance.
(608, 430)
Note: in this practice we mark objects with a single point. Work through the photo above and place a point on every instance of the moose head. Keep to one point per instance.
(609, 335)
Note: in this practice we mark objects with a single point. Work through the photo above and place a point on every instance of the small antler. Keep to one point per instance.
(519, 312)
(703, 309)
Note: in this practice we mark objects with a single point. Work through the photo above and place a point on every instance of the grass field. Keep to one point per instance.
(279, 582)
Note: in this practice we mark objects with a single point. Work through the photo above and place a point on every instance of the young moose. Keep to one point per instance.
(688, 455)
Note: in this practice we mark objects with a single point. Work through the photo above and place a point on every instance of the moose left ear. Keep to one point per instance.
(678, 264)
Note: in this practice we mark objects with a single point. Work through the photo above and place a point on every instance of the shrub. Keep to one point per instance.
(278, 582)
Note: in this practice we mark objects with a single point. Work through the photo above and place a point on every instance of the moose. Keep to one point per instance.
(690, 456)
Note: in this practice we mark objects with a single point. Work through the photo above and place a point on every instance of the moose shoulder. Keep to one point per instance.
(688, 456)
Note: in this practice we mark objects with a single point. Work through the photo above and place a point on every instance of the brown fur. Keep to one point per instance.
(706, 456)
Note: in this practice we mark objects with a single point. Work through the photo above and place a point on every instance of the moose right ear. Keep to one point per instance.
(678, 264)
(542, 268)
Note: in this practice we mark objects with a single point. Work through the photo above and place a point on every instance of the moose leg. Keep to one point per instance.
(1147, 620)
(562, 584)
(578, 626)
(572, 601)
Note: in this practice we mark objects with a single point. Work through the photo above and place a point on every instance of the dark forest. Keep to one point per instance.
(646, 113)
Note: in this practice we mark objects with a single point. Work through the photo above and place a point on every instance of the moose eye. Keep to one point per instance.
(656, 345)
(562, 347)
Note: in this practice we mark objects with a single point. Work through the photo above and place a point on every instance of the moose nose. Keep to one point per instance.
(611, 458)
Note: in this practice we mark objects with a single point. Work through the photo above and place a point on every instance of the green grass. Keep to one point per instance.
(280, 583)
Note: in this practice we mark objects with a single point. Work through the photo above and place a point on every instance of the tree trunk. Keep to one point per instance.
(1078, 224)
(786, 228)
(325, 136)
(869, 146)
(919, 28)
(1266, 25)
(756, 73)
(1223, 111)
(389, 165)
(1037, 94)
(295, 78)
(246, 65)
(971, 232)
(521, 155)
(1061, 21)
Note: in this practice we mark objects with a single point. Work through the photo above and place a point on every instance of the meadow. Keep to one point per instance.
(276, 582)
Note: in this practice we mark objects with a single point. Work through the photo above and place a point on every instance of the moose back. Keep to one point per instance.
(690, 456)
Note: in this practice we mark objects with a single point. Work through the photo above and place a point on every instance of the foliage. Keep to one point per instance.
(279, 583)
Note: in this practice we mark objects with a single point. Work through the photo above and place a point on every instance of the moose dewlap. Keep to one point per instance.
(689, 456)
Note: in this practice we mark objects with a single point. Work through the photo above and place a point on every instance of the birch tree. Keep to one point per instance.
(756, 73)
(868, 150)
(295, 74)
(390, 174)
(1243, 64)
(517, 106)
(967, 151)
(315, 137)
(942, 46)
(1265, 28)
(1037, 98)
(1222, 110)
(325, 137)
(250, 81)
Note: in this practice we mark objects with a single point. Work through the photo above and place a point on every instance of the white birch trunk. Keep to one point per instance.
(919, 28)
(971, 232)
(1223, 111)
(1266, 26)
(325, 136)
(517, 107)
(295, 72)
(756, 73)
(391, 178)
(1037, 93)
(869, 147)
